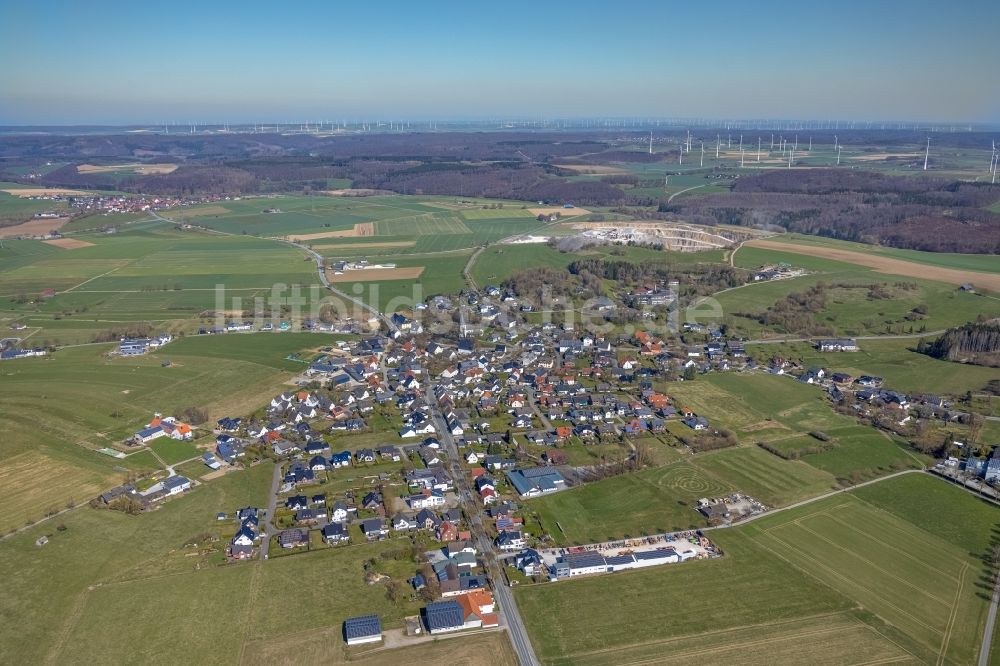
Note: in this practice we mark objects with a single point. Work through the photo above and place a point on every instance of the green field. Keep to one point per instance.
(48, 454)
(773, 409)
(835, 582)
(893, 360)
(442, 275)
(121, 589)
(971, 262)
(152, 275)
(654, 500)
(764, 476)
(850, 311)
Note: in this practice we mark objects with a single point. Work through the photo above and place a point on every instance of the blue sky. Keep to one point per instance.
(211, 61)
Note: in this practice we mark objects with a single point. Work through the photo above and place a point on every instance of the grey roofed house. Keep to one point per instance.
(536, 480)
(294, 537)
(444, 616)
(335, 532)
(363, 629)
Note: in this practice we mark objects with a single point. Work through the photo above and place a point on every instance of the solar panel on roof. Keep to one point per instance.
(619, 559)
(360, 627)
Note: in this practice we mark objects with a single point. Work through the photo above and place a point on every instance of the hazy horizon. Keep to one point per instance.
(114, 63)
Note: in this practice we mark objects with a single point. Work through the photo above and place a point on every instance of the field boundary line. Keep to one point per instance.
(744, 644)
(252, 592)
(719, 632)
(946, 639)
(898, 550)
(870, 563)
(68, 625)
(883, 636)
(842, 577)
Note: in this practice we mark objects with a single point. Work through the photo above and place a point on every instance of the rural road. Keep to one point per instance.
(272, 507)
(832, 493)
(991, 619)
(902, 336)
(671, 197)
(507, 607)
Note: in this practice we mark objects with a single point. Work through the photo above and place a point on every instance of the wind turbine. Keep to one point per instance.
(650, 143)
(718, 142)
(758, 149)
(741, 158)
(702, 163)
(838, 155)
(927, 153)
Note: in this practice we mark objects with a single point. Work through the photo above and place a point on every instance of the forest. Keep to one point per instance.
(976, 342)
(927, 214)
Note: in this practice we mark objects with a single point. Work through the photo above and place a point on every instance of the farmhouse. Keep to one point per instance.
(837, 345)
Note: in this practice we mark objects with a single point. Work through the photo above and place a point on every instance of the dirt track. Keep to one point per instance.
(888, 265)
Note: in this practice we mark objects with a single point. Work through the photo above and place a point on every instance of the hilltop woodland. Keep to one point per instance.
(977, 343)
(922, 213)
(586, 277)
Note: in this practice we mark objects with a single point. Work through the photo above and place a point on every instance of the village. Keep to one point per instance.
(439, 442)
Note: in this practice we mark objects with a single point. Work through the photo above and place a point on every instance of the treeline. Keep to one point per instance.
(977, 342)
(916, 213)
(702, 278)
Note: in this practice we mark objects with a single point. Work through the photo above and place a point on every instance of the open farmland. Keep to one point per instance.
(771, 409)
(887, 264)
(835, 580)
(127, 169)
(984, 263)
(67, 593)
(326, 646)
(851, 307)
(52, 434)
(153, 275)
(659, 499)
(895, 361)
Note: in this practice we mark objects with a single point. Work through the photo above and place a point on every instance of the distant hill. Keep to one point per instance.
(977, 343)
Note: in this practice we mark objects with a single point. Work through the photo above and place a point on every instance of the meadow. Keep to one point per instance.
(894, 361)
(49, 454)
(849, 311)
(84, 597)
(837, 581)
(153, 275)
(972, 262)
(654, 500)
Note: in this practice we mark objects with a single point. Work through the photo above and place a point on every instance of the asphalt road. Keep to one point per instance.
(272, 507)
(510, 616)
(991, 619)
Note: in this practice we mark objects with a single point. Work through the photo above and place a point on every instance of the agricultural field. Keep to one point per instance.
(68, 592)
(832, 582)
(894, 361)
(654, 500)
(773, 409)
(442, 274)
(850, 311)
(14, 209)
(764, 476)
(361, 226)
(968, 262)
(52, 435)
(152, 275)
